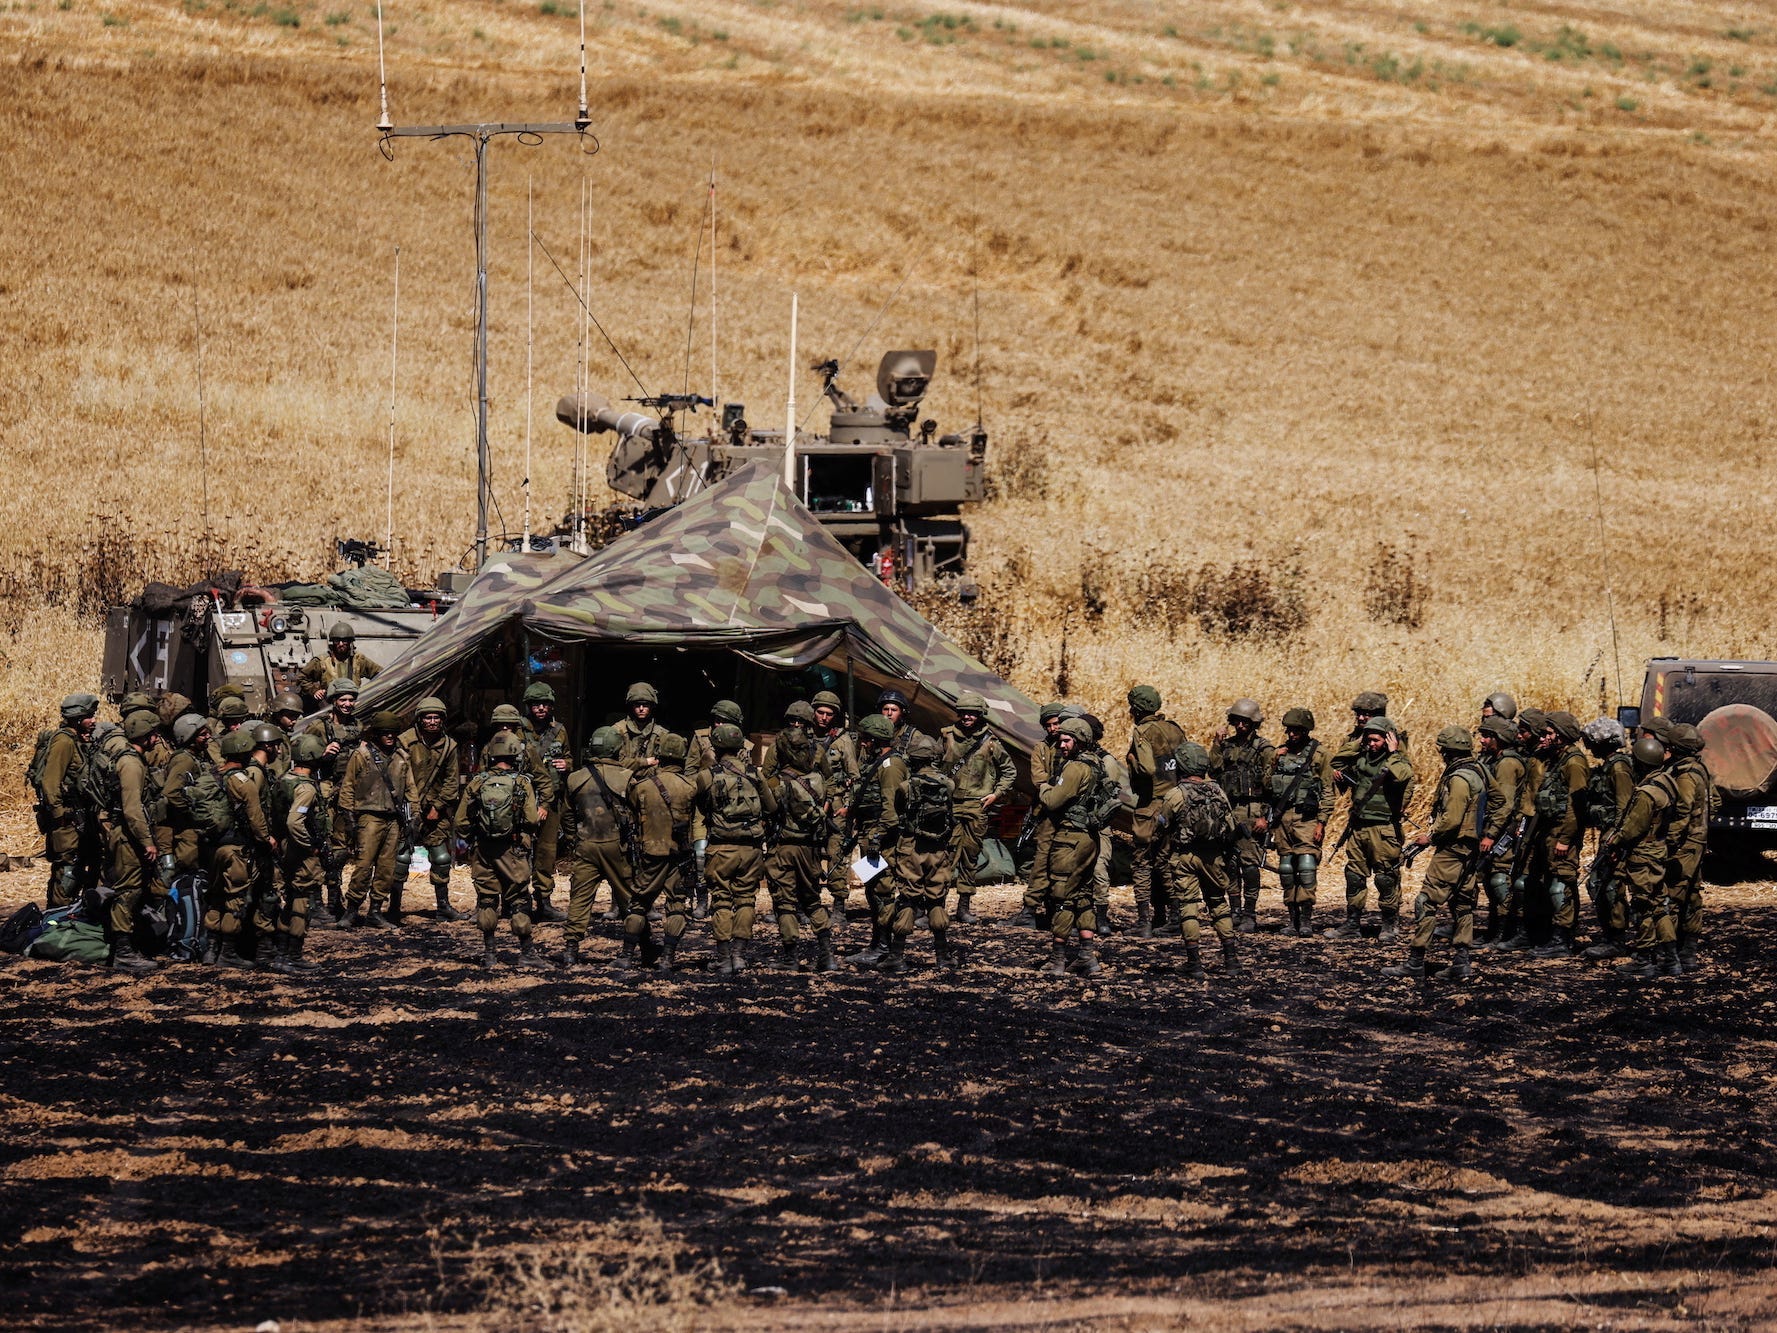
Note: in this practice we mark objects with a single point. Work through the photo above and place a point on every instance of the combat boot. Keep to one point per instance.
(393, 912)
(529, 957)
(1611, 946)
(125, 958)
(669, 958)
(1306, 927)
(489, 959)
(648, 954)
(546, 910)
(894, 962)
(570, 953)
(445, 911)
(1193, 967)
(1107, 924)
(723, 967)
(1025, 918)
(737, 956)
(945, 951)
(347, 919)
(1458, 968)
(1248, 923)
(1351, 929)
(267, 952)
(786, 958)
(1687, 954)
(871, 955)
(1085, 960)
(1560, 945)
(290, 962)
(1230, 957)
(377, 921)
(230, 956)
(1640, 966)
(965, 914)
(1295, 925)
(1144, 921)
(1056, 966)
(1390, 931)
(824, 961)
(1413, 967)
(1513, 938)
(1667, 960)
(212, 953)
(700, 900)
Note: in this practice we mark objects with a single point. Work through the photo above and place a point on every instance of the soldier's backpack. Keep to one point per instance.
(99, 786)
(21, 928)
(1600, 796)
(499, 806)
(1098, 804)
(40, 759)
(212, 808)
(315, 817)
(805, 816)
(274, 800)
(1204, 816)
(736, 812)
(931, 805)
(184, 907)
(1552, 797)
(71, 940)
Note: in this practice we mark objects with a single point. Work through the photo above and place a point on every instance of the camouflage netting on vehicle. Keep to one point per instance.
(742, 567)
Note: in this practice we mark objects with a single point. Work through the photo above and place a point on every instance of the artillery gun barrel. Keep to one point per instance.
(590, 413)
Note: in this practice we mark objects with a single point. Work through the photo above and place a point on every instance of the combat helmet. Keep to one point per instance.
(503, 746)
(876, 727)
(726, 710)
(827, 699)
(336, 688)
(1370, 701)
(1246, 710)
(1686, 739)
(1192, 760)
(727, 738)
(1502, 704)
(288, 703)
(923, 749)
(79, 707)
(266, 734)
(232, 709)
(237, 744)
(307, 749)
(135, 703)
(1456, 740)
(342, 632)
(971, 703)
(671, 749)
(539, 692)
(505, 715)
(1079, 728)
(1604, 733)
(186, 728)
(1144, 701)
(430, 704)
(1647, 752)
(605, 743)
(800, 713)
(140, 725)
(1298, 719)
(641, 693)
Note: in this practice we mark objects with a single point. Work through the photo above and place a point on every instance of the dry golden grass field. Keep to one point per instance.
(1300, 326)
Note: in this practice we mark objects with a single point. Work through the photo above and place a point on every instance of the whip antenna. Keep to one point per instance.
(530, 250)
(1610, 602)
(584, 118)
(203, 448)
(975, 279)
(790, 413)
(383, 122)
(714, 400)
(394, 345)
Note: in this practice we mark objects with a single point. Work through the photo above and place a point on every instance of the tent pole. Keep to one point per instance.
(851, 691)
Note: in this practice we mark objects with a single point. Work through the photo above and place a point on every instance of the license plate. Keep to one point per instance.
(1762, 816)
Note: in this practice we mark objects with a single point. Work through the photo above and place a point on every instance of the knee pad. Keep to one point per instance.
(1498, 889)
(1286, 872)
(1356, 881)
(1387, 881)
(1250, 875)
(1423, 906)
(1307, 871)
(1557, 894)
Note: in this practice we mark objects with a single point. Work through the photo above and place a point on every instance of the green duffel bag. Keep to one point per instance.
(72, 942)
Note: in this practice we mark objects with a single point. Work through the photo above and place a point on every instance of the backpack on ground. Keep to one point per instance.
(71, 940)
(931, 805)
(212, 808)
(19, 929)
(736, 810)
(499, 806)
(173, 925)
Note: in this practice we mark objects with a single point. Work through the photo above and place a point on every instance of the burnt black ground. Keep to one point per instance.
(201, 1146)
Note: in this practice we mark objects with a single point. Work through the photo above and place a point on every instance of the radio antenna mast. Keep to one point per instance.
(394, 344)
(715, 401)
(528, 133)
(530, 249)
(203, 443)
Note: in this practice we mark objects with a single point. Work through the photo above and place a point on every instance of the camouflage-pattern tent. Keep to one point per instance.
(741, 567)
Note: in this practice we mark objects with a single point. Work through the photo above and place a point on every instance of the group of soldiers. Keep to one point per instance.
(269, 814)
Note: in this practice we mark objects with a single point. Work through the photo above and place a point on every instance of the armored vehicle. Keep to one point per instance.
(221, 631)
(1734, 706)
(889, 489)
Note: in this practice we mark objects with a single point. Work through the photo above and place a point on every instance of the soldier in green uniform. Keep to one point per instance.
(1560, 799)
(1496, 740)
(1458, 823)
(191, 742)
(1639, 848)
(373, 796)
(499, 812)
(1075, 804)
(873, 826)
(130, 840)
(60, 810)
(1499, 704)
(435, 779)
(662, 798)
(640, 733)
(1241, 761)
(506, 718)
(342, 661)
(736, 803)
(1513, 933)
(1197, 831)
(836, 760)
(1045, 761)
(299, 856)
(546, 734)
(1609, 786)
(1153, 741)
(240, 861)
(892, 704)
(922, 858)
(1116, 773)
(793, 866)
(596, 822)
(982, 773)
(1302, 797)
(286, 710)
(700, 757)
(339, 731)
(1379, 779)
(1697, 804)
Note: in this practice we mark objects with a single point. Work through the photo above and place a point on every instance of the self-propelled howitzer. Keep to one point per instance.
(886, 484)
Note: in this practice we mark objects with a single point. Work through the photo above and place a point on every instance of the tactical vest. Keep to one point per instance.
(1098, 800)
(595, 817)
(1601, 810)
(1553, 799)
(1163, 736)
(1473, 775)
(1242, 772)
(736, 812)
(347, 735)
(1295, 782)
(316, 820)
(803, 809)
(931, 813)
